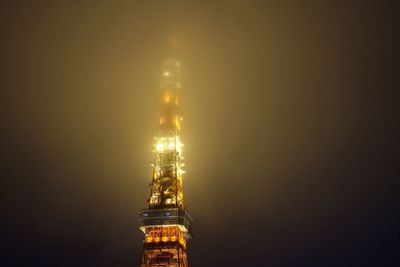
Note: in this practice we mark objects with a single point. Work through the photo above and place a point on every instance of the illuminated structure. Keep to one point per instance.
(166, 222)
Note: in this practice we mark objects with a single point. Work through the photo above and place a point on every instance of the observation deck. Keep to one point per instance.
(166, 217)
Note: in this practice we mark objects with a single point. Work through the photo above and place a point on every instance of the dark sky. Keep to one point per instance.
(291, 130)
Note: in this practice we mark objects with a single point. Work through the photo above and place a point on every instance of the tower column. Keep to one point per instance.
(166, 223)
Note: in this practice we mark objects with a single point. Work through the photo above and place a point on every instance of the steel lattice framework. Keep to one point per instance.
(166, 223)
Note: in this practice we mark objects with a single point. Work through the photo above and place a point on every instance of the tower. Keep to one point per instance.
(166, 223)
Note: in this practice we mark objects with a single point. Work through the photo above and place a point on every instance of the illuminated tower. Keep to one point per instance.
(166, 222)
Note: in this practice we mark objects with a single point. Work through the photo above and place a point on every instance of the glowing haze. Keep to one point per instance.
(290, 132)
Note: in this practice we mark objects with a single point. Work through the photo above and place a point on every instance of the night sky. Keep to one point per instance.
(291, 130)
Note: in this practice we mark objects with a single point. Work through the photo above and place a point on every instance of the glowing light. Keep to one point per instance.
(167, 98)
(164, 144)
(160, 147)
(173, 232)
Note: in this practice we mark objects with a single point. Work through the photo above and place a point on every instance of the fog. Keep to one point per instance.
(290, 130)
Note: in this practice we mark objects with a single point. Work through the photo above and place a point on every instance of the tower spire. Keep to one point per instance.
(166, 222)
(166, 187)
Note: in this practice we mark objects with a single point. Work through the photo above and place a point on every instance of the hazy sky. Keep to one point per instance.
(291, 130)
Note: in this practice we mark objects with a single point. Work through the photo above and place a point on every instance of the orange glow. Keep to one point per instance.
(167, 97)
(156, 234)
